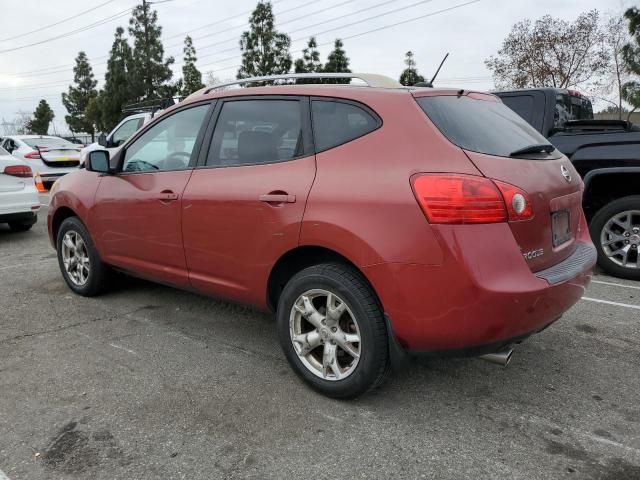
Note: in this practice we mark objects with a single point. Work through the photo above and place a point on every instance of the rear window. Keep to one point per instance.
(47, 142)
(335, 123)
(569, 107)
(479, 125)
(3, 151)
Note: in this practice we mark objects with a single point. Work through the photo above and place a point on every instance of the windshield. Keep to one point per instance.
(481, 126)
(48, 142)
(570, 107)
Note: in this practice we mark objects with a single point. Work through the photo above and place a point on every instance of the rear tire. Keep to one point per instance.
(79, 261)
(21, 226)
(604, 229)
(336, 339)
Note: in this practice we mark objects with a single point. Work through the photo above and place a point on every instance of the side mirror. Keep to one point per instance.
(102, 140)
(98, 161)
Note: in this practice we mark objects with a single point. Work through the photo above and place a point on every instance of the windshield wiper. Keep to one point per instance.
(536, 148)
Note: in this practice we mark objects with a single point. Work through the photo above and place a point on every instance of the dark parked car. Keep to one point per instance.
(373, 221)
(606, 153)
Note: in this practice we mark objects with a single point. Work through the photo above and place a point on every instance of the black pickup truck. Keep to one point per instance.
(606, 153)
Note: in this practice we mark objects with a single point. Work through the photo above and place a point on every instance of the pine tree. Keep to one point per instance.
(631, 57)
(77, 98)
(42, 117)
(93, 113)
(310, 61)
(117, 85)
(409, 75)
(264, 50)
(337, 62)
(151, 71)
(191, 76)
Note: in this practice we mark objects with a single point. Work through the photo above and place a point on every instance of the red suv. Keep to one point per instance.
(374, 221)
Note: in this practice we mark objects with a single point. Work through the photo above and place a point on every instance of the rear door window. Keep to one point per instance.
(336, 122)
(253, 132)
(482, 126)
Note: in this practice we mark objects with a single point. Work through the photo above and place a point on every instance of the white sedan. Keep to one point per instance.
(50, 157)
(19, 202)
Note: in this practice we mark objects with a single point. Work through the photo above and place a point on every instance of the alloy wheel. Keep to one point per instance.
(620, 238)
(75, 258)
(325, 334)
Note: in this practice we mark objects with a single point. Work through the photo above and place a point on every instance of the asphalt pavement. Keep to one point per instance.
(148, 382)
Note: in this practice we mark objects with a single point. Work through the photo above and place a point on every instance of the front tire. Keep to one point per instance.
(615, 231)
(79, 261)
(332, 330)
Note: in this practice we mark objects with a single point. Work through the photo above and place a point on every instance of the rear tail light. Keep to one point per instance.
(23, 171)
(517, 201)
(468, 199)
(35, 155)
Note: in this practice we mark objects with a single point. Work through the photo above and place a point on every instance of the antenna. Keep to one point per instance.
(438, 71)
(430, 83)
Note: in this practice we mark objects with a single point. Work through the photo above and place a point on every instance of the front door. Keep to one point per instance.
(243, 206)
(137, 213)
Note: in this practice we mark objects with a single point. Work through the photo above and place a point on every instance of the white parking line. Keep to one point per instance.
(615, 284)
(121, 348)
(617, 304)
(3, 476)
(6, 267)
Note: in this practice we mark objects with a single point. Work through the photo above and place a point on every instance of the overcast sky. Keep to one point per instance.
(471, 33)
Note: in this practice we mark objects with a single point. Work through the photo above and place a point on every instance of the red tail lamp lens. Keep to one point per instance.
(459, 199)
(23, 171)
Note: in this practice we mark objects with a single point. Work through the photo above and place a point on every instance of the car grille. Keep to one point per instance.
(65, 164)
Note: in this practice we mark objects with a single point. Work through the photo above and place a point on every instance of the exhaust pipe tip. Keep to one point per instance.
(502, 357)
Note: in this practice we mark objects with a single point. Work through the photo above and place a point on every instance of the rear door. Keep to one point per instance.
(243, 206)
(490, 134)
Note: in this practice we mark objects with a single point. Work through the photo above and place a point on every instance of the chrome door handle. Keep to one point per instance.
(277, 198)
(168, 196)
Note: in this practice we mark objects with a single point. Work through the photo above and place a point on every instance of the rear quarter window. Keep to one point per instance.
(521, 104)
(482, 126)
(337, 122)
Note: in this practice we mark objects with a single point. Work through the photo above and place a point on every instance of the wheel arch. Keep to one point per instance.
(603, 185)
(299, 258)
(60, 215)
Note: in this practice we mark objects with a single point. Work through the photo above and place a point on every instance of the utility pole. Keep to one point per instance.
(145, 10)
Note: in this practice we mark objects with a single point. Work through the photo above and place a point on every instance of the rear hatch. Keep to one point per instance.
(506, 148)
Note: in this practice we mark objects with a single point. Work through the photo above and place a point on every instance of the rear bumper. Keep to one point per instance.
(50, 177)
(482, 296)
(25, 217)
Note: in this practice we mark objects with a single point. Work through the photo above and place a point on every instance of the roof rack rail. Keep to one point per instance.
(148, 105)
(371, 79)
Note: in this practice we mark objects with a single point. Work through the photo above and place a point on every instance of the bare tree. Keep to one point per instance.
(551, 53)
(615, 36)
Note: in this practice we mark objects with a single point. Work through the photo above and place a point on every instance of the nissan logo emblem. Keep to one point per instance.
(565, 173)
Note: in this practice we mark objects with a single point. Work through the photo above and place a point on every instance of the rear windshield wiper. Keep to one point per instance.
(537, 148)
